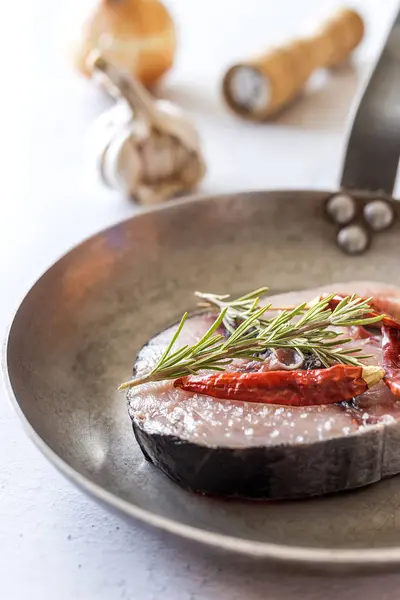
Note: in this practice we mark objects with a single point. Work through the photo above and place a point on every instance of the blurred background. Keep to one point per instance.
(48, 109)
(50, 201)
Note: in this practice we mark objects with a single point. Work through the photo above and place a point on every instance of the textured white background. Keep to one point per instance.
(54, 542)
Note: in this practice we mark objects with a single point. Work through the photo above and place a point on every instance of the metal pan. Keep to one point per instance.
(77, 331)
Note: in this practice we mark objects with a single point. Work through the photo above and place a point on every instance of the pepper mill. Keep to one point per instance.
(260, 87)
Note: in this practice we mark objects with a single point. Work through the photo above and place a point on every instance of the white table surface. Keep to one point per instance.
(54, 542)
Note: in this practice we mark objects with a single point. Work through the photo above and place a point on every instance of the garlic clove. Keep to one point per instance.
(158, 157)
(193, 170)
(176, 123)
(180, 158)
(101, 133)
(122, 165)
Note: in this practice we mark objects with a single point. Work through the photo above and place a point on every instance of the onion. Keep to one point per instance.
(137, 36)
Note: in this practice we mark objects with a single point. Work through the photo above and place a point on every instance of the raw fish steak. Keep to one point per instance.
(258, 451)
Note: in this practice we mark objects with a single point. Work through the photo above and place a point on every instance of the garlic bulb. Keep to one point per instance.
(137, 36)
(144, 147)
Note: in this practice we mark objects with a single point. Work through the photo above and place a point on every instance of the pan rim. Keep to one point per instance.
(280, 553)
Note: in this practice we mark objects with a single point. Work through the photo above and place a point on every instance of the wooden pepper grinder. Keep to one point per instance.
(260, 87)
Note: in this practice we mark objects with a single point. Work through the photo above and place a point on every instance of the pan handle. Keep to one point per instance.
(373, 148)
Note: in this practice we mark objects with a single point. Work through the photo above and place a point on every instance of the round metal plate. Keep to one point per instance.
(76, 334)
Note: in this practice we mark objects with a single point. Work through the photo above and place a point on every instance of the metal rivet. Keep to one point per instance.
(353, 239)
(341, 208)
(379, 214)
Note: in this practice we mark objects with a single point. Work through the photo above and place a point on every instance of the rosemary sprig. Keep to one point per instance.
(303, 328)
(237, 310)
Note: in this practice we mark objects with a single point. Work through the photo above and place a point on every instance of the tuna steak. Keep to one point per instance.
(257, 451)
